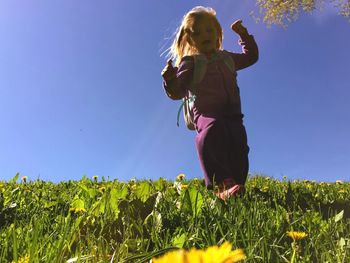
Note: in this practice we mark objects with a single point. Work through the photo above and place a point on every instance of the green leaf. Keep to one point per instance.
(122, 192)
(339, 216)
(341, 243)
(90, 191)
(179, 240)
(192, 201)
(78, 203)
(50, 204)
(143, 191)
(113, 202)
(14, 179)
(196, 201)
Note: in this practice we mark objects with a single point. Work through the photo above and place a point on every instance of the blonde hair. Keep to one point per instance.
(181, 45)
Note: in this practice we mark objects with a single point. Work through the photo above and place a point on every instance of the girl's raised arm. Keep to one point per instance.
(250, 51)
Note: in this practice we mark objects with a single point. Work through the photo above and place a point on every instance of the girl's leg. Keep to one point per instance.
(213, 148)
(239, 152)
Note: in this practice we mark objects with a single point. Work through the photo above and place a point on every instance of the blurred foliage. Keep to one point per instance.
(279, 12)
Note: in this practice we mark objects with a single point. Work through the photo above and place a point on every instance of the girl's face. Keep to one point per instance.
(204, 36)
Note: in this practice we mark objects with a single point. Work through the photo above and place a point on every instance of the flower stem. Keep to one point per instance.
(292, 260)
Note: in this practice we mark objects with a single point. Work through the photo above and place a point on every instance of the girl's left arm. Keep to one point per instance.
(250, 52)
(177, 87)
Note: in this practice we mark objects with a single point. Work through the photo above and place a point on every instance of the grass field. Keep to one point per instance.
(96, 220)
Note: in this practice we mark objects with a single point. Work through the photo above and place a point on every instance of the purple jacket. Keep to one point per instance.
(217, 93)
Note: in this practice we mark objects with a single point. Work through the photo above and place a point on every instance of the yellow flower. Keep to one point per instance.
(295, 235)
(180, 177)
(24, 259)
(102, 189)
(214, 254)
(265, 189)
(339, 182)
(341, 191)
(77, 210)
(223, 254)
(184, 186)
(132, 181)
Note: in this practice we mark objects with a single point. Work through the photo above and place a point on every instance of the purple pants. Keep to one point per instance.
(222, 149)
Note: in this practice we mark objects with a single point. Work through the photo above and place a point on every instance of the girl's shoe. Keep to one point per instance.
(235, 190)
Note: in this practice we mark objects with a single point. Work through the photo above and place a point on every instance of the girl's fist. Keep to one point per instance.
(239, 28)
(169, 72)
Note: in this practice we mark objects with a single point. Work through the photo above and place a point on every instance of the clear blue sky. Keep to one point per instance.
(81, 94)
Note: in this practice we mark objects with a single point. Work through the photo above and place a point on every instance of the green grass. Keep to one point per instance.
(112, 221)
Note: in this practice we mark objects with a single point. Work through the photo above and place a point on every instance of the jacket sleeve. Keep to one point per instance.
(249, 55)
(176, 88)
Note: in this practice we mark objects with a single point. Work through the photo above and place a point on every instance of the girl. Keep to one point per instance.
(221, 138)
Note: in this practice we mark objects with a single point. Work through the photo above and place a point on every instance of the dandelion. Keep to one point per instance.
(341, 191)
(24, 179)
(222, 254)
(102, 189)
(184, 186)
(132, 181)
(265, 189)
(296, 236)
(77, 210)
(24, 259)
(180, 177)
(339, 182)
(95, 177)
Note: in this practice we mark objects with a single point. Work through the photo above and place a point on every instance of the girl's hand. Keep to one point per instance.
(239, 28)
(169, 72)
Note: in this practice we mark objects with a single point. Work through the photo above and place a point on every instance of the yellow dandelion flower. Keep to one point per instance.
(184, 186)
(77, 210)
(236, 255)
(102, 189)
(24, 259)
(173, 256)
(341, 191)
(132, 181)
(339, 182)
(222, 254)
(295, 235)
(180, 177)
(24, 179)
(265, 189)
(194, 256)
